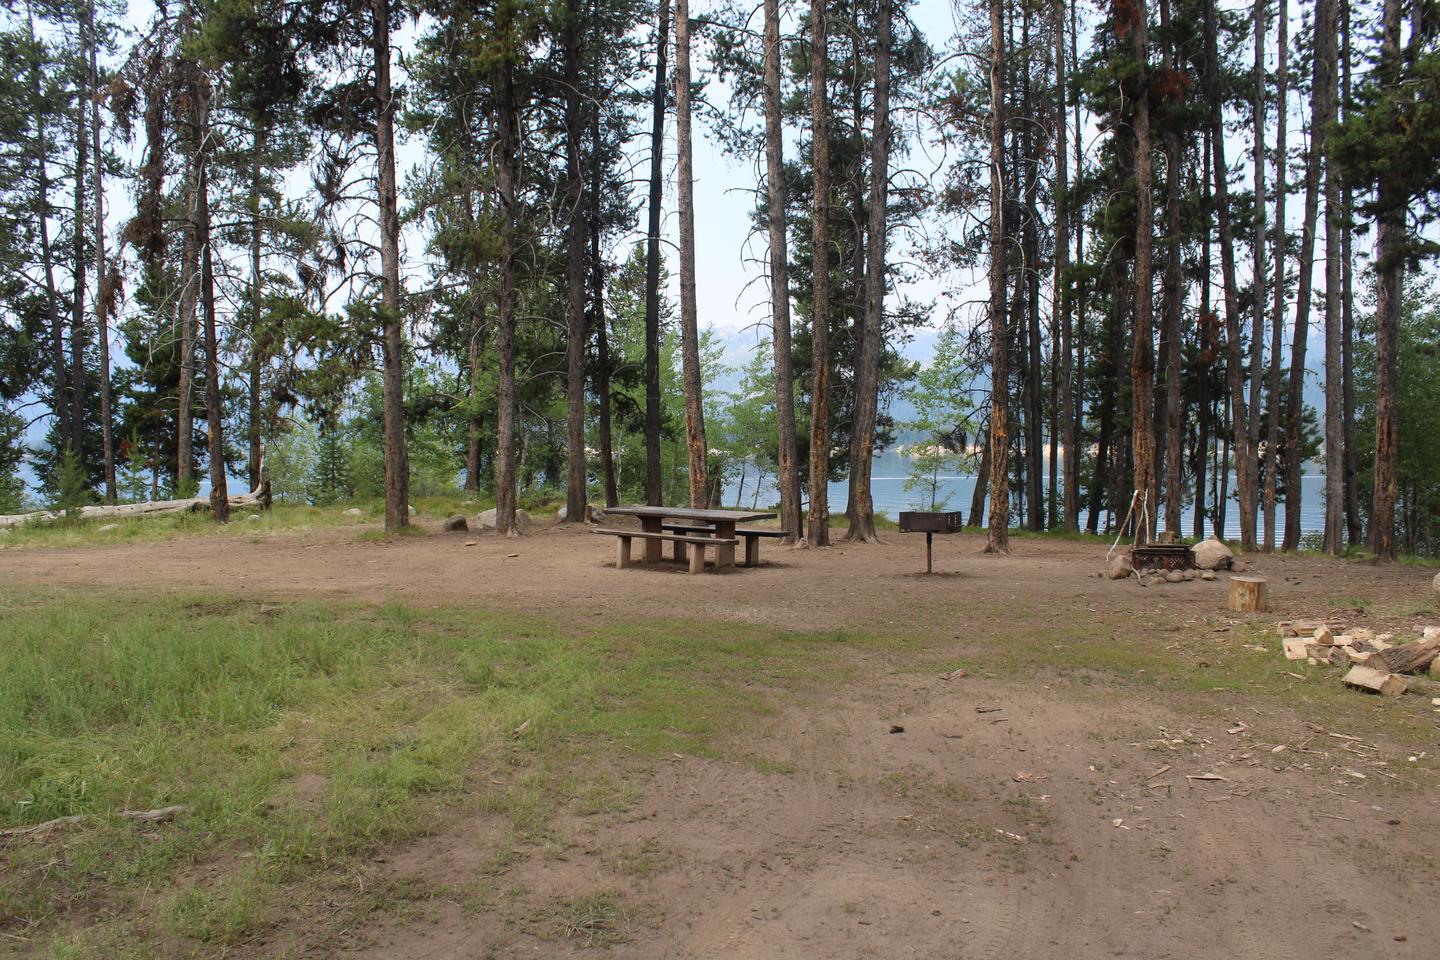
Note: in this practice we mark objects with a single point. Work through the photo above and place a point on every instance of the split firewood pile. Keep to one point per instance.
(1376, 662)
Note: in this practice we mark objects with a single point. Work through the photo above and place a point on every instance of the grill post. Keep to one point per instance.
(929, 540)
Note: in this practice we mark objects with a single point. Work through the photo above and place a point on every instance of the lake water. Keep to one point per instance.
(887, 489)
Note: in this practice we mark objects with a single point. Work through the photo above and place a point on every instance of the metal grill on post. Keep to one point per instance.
(952, 521)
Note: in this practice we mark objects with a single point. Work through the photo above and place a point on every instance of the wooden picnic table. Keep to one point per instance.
(652, 519)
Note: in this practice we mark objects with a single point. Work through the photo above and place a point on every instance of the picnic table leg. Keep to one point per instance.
(697, 558)
(679, 551)
(725, 552)
(622, 552)
(654, 549)
(752, 551)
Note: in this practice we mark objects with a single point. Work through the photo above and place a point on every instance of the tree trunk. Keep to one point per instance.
(505, 177)
(1277, 317)
(982, 483)
(1354, 532)
(189, 282)
(1325, 78)
(258, 337)
(475, 349)
(696, 448)
(1389, 270)
(1222, 473)
(576, 493)
(77, 314)
(41, 119)
(788, 467)
(1029, 282)
(397, 466)
(654, 484)
(1174, 296)
(818, 526)
(214, 402)
(1235, 368)
(860, 510)
(1209, 350)
(1142, 356)
(104, 282)
(1070, 493)
(1296, 398)
(1260, 267)
(1075, 423)
(998, 536)
(597, 322)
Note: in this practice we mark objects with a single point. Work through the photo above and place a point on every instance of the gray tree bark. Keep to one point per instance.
(104, 283)
(654, 484)
(576, 494)
(397, 464)
(860, 510)
(1239, 418)
(1142, 356)
(818, 526)
(1389, 270)
(998, 534)
(1326, 64)
(1070, 467)
(788, 467)
(696, 448)
(1277, 316)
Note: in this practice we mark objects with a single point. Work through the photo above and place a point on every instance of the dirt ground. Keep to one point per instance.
(1034, 819)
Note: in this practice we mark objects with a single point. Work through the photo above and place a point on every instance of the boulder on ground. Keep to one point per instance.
(1212, 555)
(485, 520)
(354, 512)
(1119, 567)
(1207, 575)
(412, 510)
(593, 514)
(1174, 576)
(108, 527)
(1436, 584)
(454, 522)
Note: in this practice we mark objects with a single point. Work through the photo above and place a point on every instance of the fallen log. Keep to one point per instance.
(159, 815)
(125, 510)
(1406, 658)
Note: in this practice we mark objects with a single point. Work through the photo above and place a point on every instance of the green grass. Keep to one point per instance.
(251, 522)
(282, 518)
(303, 736)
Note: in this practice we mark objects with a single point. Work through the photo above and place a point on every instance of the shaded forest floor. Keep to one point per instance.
(458, 745)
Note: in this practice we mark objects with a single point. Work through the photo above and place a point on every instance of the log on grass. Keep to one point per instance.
(122, 511)
(159, 815)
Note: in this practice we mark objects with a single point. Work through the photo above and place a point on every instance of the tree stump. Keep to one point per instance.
(1247, 594)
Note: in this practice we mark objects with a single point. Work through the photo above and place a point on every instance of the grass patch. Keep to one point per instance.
(170, 526)
(301, 739)
(1201, 671)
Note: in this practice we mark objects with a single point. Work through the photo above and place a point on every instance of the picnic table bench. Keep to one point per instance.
(696, 558)
(751, 535)
(688, 528)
